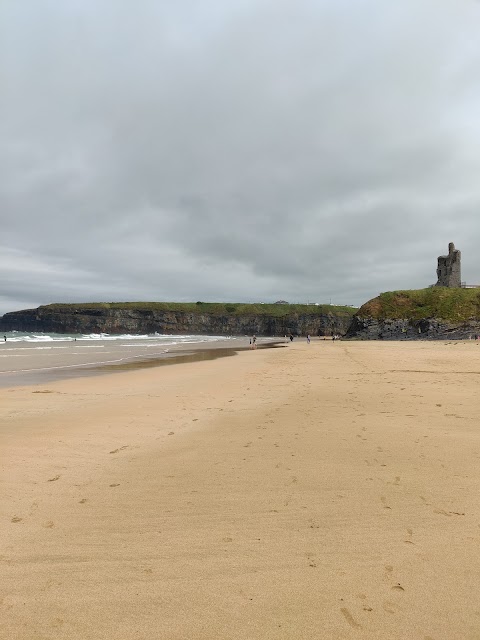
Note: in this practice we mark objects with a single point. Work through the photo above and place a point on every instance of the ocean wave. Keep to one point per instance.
(155, 339)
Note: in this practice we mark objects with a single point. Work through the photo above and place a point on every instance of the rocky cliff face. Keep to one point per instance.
(435, 313)
(407, 329)
(141, 321)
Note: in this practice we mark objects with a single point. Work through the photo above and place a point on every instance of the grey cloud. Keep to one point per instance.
(244, 150)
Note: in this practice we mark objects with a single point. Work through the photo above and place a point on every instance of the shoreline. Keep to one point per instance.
(65, 368)
(321, 491)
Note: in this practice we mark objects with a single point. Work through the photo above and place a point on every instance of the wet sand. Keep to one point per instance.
(23, 364)
(317, 491)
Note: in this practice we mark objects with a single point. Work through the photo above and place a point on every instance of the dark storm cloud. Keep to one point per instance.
(235, 151)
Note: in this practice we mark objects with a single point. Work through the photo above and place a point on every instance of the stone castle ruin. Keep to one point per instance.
(449, 268)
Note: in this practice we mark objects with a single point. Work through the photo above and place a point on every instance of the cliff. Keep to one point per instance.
(178, 318)
(433, 313)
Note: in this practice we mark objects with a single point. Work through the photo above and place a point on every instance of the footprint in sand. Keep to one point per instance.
(349, 618)
(49, 525)
(397, 480)
(448, 513)
(389, 607)
(384, 502)
(115, 485)
(82, 501)
(16, 519)
(311, 559)
(410, 534)
(53, 479)
(119, 449)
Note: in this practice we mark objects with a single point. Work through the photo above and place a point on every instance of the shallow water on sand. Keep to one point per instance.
(27, 360)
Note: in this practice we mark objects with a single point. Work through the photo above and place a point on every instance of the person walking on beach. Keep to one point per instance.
(254, 342)
(308, 338)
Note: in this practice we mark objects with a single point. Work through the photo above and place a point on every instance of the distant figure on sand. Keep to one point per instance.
(308, 338)
(254, 342)
(5, 338)
(291, 337)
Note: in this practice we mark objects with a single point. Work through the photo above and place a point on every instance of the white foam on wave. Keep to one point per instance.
(90, 346)
(32, 348)
(158, 338)
(13, 355)
(46, 348)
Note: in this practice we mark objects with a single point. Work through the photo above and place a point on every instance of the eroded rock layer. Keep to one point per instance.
(115, 319)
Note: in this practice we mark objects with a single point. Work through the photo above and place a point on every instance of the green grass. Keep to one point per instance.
(213, 308)
(453, 305)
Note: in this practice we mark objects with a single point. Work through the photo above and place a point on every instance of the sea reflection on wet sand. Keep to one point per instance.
(200, 353)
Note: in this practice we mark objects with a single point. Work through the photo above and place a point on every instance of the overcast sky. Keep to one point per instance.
(236, 150)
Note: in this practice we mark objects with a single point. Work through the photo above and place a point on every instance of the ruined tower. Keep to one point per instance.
(448, 270)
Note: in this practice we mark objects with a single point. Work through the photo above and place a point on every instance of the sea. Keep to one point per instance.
(33, 358)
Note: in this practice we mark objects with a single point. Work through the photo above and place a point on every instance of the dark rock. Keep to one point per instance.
(405, 329)
(83, 319)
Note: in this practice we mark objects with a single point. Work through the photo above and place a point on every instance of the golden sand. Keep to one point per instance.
(315, 491)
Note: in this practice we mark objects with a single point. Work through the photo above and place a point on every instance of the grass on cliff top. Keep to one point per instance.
(212, 308)
(453, 305)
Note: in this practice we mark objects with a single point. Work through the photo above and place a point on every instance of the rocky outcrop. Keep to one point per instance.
(408, 329)
(82, 319)
(435, 313)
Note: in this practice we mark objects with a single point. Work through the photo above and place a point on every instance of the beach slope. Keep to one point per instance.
(327, 490)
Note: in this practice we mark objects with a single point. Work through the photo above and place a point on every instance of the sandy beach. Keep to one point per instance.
(313, 491)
